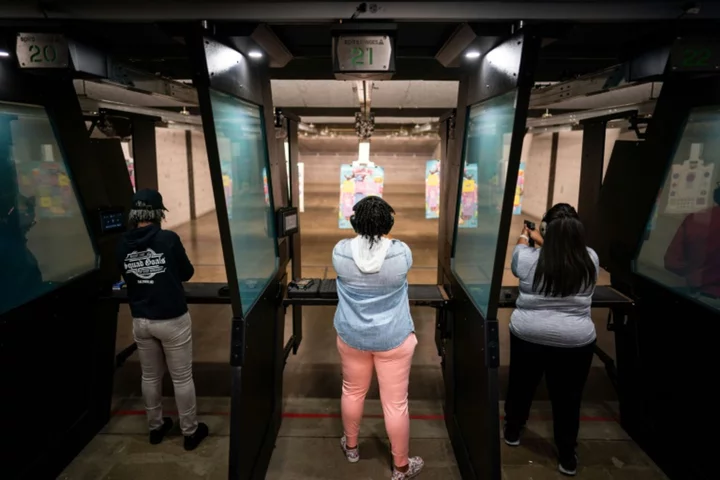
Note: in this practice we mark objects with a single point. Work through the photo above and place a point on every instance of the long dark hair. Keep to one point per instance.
(372, 218)
(564, 267)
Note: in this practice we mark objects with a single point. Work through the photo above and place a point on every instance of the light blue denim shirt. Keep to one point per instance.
(373, 312)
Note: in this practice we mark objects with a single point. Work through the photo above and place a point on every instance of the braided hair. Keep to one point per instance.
(149, 215)
(373, 218)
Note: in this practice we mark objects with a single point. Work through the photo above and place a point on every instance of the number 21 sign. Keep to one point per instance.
(41, 50)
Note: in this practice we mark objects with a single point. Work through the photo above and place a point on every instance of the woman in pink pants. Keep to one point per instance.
(375, 329)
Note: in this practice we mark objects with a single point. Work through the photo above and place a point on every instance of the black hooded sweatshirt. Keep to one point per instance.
(154, 264)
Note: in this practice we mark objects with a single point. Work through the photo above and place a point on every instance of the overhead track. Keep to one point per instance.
(642, 109)
(95, 106)
(112, 92)
(643, 69)
(89, 61)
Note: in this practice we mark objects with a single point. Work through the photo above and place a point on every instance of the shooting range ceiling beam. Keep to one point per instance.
(264, 11)
(379, 121)
(350, 112)
(406, 69)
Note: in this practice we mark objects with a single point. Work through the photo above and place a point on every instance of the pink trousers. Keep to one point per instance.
(393, 371)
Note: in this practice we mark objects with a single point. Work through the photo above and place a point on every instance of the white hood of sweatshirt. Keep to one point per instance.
(369, 259)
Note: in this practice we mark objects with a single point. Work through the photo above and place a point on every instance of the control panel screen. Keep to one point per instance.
(111, 221)
(291, 222)
(288, 221)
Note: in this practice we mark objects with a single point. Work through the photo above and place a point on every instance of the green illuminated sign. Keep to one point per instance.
(694, 54)
(359, 55)
(696, 57)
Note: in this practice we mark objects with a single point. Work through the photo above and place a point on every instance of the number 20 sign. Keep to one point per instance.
(41, 50)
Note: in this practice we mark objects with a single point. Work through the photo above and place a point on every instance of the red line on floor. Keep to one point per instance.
(299, 415)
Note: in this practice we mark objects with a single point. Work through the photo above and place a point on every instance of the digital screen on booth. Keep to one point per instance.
(111, 221)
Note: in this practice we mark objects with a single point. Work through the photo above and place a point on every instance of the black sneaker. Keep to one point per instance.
(192, 441)
(512, 436)
(157, 435)
(568, 466)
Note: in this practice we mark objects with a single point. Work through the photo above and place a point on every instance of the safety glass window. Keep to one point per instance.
(481, 192)
(681, 246)
(245, 175)
(44, 239)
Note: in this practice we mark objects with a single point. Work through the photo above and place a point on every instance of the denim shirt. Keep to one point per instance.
(373, 312)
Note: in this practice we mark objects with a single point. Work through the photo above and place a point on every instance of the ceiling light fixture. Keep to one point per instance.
(472, 54)
(3, 53)
(255, 54)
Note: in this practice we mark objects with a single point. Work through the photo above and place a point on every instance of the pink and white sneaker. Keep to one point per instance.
(415, 466)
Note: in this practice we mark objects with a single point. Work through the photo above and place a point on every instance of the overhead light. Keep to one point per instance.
(3, 53)
(472, 54)
(255, 54)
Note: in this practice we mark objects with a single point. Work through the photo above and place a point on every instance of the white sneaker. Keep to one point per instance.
(415, 465)
(569, 468)
(352, 454)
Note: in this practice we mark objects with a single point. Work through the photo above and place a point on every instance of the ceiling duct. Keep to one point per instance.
(451, 52)
(272, 45)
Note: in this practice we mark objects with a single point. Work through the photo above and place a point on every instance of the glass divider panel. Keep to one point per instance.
(241, 139)
(485, 159)
(681, 247)
(44, 239)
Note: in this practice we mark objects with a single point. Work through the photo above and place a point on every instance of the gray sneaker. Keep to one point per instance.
(415, 465)
(352, 454)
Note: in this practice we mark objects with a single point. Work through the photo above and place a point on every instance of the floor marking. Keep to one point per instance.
(418, 417)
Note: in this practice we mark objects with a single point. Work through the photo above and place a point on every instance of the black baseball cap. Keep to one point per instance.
(148, 199)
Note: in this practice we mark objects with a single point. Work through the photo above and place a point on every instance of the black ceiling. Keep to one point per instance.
(571, 49)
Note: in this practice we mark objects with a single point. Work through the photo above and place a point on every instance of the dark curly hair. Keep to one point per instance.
(373, 218)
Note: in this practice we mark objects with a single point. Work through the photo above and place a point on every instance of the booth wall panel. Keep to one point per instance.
(204, 200)
(173, 175)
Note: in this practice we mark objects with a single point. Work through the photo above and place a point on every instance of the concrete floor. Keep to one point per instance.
(308, 448)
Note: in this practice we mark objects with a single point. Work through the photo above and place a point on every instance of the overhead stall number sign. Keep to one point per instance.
(693, 54)
(364, 53)
(42, 50)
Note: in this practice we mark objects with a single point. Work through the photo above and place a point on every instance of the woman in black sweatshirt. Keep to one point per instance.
(154, 264)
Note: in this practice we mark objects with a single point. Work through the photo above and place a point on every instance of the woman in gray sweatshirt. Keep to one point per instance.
(551, 330)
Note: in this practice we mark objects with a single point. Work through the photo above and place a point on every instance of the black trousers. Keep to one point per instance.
(565, 369)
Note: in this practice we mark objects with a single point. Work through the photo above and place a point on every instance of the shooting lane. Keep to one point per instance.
(60, 221)
(249, 183)
(471, 254)
(660, 237)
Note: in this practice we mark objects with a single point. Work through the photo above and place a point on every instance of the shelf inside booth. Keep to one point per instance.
(324, 293)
